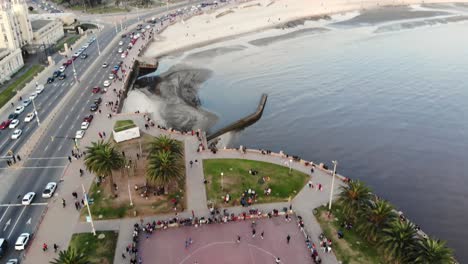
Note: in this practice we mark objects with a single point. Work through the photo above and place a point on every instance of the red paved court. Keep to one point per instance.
(216, 243)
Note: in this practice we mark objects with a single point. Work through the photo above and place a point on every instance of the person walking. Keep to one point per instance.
(81, 172)
(55, 247)
(238, 239)
(63, 203)
(69, 159)
(278, 260)
(191, 164)
(288, 238)
(44, 247)
(253, 233)
(261, 235)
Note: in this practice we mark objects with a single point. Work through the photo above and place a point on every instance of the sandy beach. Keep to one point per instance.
(238, 19)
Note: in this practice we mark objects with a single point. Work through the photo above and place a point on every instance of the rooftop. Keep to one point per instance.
(38, 24)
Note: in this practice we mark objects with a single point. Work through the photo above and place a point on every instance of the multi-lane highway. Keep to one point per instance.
(49, 158)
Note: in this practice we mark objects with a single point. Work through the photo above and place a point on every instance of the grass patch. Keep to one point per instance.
(97, 250)
(70, 40)
(352, 249)
(19, 84)
(103, 206)
(283, 184)
(121, 125)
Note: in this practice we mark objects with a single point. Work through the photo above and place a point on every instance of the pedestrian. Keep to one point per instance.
(63, 203)
(100, 135)
(55, 248)
(191, 163)
(69, 159)
(310, 184)
(18, 157)
(81, 172)
(138, 156)
(103, 134)
(261, 235)
(75, 195)
(77, 205)
(238, 239)
(8, 163)
(253, 233)
(123, 256)
(21, 98)
(320, 187)
(278, 260)
(186, 243)
(99, 110)
(44, 247)
(288, 238)
(123, 154)
(12, 105)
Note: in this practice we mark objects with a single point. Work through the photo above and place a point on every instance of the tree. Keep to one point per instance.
(30, 8)
(399, 241)
(429, 250)
(70, 256)
(374, 218)
(354, 197)
(102, 158)
(164, 143)
(164, 168)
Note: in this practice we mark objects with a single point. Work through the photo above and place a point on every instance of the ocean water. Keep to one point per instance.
(390, 105)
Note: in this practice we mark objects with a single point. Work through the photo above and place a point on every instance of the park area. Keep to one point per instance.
(234, 177)
(131, 195)
(97, 249)
(216, 243)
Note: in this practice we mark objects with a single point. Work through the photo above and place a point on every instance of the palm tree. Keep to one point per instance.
(164, 168)
(164, 143)
(70, 256)
(429, 250)
(376, 217)
(399, 241)
(102, 158)
(354, 197)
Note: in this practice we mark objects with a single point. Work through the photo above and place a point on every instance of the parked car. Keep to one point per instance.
(49, 190)
(50, 80)
(84, 125)
(22, 241)
(56, 74)
(96, 90)
(26, 102)
(88, 118)
(5, 124)
(12, 116)
(62, 76)
(94, 108)
(19, 109)
(79, 134)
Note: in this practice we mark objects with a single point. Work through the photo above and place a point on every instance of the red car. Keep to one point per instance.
(5, 124)
(88, 118)
(67, 63)
(96, 90)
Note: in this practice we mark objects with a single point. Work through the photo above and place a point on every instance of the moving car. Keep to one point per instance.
(5, 124)
(107, 83)
(19, 109)
(96, 90)
(33, 96)
(88, 118)
(29, 117)
(16, 134)
(39, 89)
(76, 54)
(62, 68)
(12, 116)
(84, 56)
(12, 261)
(104, 65)
(3, 246)
(62, 76)
(50, 80)
(26, 102)
(28, 198)
(22, 241)
(56, 74)
(49, 190)
(14, 123)
(84, 125)
(79, 134)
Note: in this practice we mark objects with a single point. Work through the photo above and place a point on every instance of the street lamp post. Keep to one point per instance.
(128, 185)
(290, 165)
(333, 184)
(35, 113)
(89, 210)
(222, 181)
(97, 41)
(75, 75)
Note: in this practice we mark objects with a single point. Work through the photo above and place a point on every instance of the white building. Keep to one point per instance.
(10, 62)
(46, 31)
(15, 27)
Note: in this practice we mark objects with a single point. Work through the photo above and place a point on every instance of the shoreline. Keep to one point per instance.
(253, 17)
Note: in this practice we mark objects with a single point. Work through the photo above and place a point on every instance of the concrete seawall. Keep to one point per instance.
(244, 122)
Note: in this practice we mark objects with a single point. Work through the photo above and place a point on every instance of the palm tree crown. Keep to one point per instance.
(429, 250)
(377, 216)
(399, 241)
(164, 143)
(164, 168)
(70, 256)
(354, 198)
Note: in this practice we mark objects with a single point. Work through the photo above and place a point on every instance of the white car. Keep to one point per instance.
(120, 43)
(148, 26)
(104, 65)
(107, 83)
(16, 134)
(111, 76)
(14, 123)
(123, 55)
(85, 46)
(120, 50)
(26, 102)
(76, 54)
(143, 30)
(49, 190)
(28, 198)
(62, 68)
(29, 117)
(19, 109)
(84, 125)
(39, 89)
(79, 134)
(33, 96)
(12, 261)
(22, 241)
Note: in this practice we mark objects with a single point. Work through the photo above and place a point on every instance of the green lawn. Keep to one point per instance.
(352, 249)
(70, 39)
(283, 184)
(123, 124)
(103, 206)
(19, 84)
(97, 250)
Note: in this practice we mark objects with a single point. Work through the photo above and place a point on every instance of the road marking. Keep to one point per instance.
(17, 220)
(29, 221)
(66, 117)
(45, 149)
(8, 207)
(48, 167)
(7, 223)
(60, 147)
(48, 158)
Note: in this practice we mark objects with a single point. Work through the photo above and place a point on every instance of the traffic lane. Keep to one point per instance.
(46, 162)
